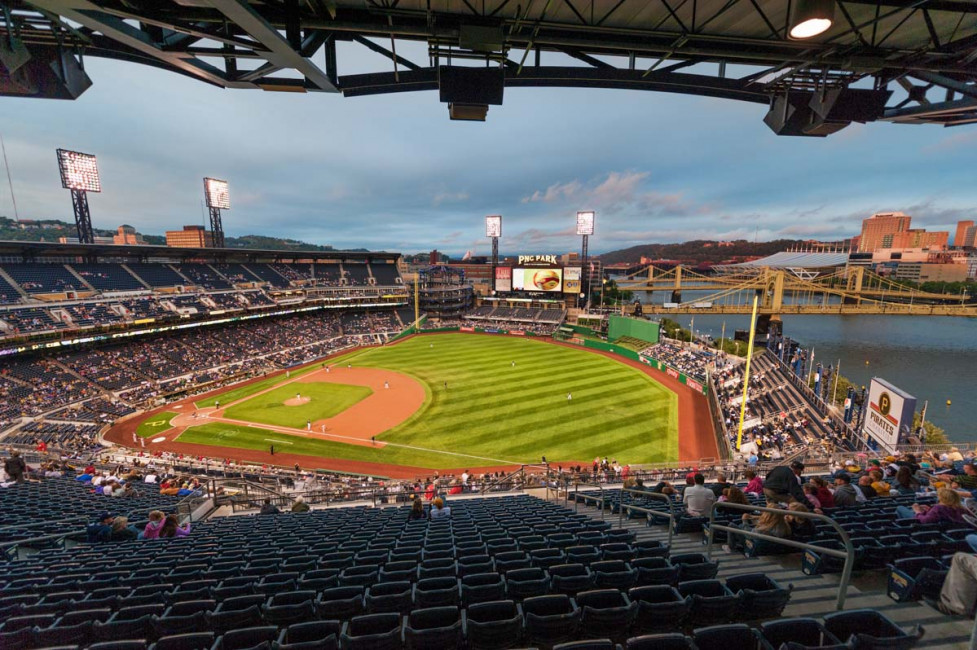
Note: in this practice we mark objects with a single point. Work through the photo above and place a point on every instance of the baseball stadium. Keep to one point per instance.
(258, 443)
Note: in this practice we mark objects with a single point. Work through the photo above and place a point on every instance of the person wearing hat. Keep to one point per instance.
(101, 529)
(844, 494)
(783, 485)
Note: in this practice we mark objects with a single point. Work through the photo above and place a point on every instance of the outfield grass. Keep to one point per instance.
(491, 409)
(229, 435)
(326, 400)
(243, 391)
(155, 424)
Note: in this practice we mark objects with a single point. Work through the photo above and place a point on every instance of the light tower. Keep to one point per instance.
(493, 229)
(585, 228)
(218, 198)
(79, 173)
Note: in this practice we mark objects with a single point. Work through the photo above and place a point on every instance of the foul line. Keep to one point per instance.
(363, 442)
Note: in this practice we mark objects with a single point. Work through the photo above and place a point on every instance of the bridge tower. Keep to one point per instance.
(771, 302)
(677, 290)
(856, 276)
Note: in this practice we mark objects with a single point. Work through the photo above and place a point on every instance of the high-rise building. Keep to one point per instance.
(127, 236)
(190, 237)
(881, 229)
(961, 235)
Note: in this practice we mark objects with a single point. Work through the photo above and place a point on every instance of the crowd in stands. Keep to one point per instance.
(779, 418)
(691, 360)
(143, 370)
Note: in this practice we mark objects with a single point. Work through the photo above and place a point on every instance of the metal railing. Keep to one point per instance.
(648, 511)
(587, 498)
(848, 554)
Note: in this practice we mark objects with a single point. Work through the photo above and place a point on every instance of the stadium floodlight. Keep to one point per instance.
(215, 190)
(218, 198)
(493, 225)
(810, 17)
(585, 223)
(79, 171)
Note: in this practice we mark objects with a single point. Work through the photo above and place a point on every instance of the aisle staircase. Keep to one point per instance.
(813, 596)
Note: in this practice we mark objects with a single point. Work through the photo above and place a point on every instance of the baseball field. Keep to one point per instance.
(440, 401)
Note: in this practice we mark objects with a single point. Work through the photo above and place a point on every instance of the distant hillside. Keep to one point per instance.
(699, 251)
(50, 230)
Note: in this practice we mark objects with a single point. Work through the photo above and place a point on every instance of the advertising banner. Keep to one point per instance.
(890, 413)
(503, 278)
(546, 280)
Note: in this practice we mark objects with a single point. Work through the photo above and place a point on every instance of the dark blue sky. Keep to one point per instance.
(392, 172)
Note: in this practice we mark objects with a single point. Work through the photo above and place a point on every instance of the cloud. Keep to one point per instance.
(555, 192)
(449, 197)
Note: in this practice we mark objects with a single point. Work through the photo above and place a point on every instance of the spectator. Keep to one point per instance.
(720, 485)
(844, 494)
(416, 510)
(811, 492)
(300, 505)
(155, 524)
(965, 481)
(439, 510)
(783, 485)
(959, 594)
(948, 508)
(905, 482)
(122, 531)
(800, 527)
(269, 508)
(733, 494)
(698, 499)
(823, 494)
(171, 528)
(15, 467)
(101, 529)
(755, 484)
(881, 487)
(865, 488)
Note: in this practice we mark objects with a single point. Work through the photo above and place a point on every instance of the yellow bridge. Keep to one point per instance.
(848, 290)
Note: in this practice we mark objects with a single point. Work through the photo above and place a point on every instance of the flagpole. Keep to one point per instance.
(834, 393)
(810, 368)
(722, 338)
(746, 375)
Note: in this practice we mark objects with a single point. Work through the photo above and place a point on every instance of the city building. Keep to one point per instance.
(190, 237)
(891, 230)
(960, 238)
(127, 236)
(927, 272)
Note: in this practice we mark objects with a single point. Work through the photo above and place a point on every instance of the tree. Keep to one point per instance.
(934, 434)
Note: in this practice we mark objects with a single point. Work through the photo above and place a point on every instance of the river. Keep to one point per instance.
(932, 358)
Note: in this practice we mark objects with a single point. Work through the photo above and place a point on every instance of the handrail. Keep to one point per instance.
(41, 523)
(586, 497)
(654, 495)
(848, 554)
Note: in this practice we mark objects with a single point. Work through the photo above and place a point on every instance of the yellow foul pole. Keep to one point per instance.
(746, 375)
(417, 302)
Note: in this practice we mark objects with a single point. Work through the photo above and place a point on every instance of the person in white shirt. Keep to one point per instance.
(151, 478)
(698, 499)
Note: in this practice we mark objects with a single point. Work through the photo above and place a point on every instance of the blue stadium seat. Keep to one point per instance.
(724, 637)
(373, 632)
(759, 596)
(801, 632)
(606, 613)
(437, 592)
(656, 571)
(614, 574)
(314, 635)
(710, 601)
(673, 641)
(193, 641)
(390, 597)
(494, 625)
(550, 619)
(869, 629)
(434, 628)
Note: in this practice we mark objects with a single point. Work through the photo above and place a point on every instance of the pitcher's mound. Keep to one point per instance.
(296, 401)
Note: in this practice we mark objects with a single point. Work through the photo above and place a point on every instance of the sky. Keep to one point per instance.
(392, 172)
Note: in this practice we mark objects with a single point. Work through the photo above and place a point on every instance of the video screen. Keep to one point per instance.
(548, 280)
